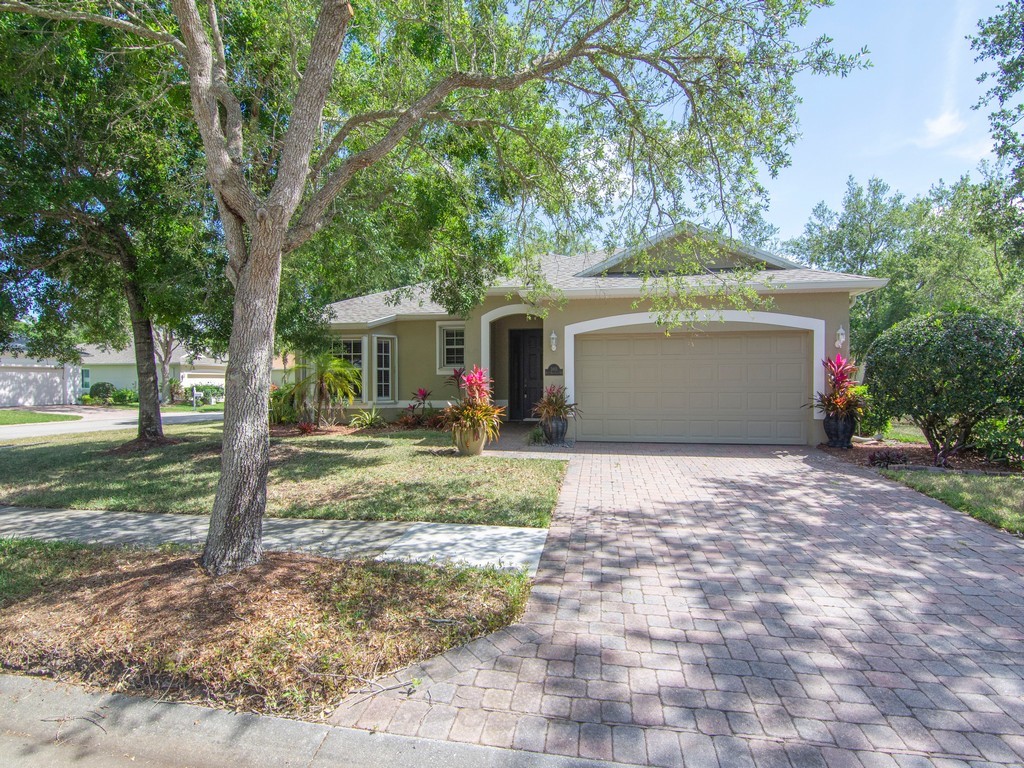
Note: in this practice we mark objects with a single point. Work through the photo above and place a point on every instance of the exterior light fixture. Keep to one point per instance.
(554, 341)
(840, 337)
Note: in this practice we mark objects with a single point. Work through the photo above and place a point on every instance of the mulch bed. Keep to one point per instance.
(292, 635)
(918, 455)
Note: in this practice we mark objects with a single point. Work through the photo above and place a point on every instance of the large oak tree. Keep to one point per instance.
(622, 114)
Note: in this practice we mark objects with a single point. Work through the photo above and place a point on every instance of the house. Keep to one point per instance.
(118, 368)
(730, 376)
(28, 382)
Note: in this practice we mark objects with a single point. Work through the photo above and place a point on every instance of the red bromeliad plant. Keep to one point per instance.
(843, 398)
(474, 413)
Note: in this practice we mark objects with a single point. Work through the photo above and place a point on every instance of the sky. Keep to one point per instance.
(908, 119)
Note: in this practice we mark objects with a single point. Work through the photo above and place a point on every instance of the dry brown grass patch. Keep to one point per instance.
(292, 635)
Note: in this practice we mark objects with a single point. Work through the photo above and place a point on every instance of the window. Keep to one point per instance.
(85, 379)
(383, 374)
(451, 346)
(351, 350)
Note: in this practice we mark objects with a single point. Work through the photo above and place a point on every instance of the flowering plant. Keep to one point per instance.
(843, 398)
(554, 404)
(474, 412)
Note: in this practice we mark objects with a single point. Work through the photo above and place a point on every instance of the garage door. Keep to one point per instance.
(30, 385)
(707, 388)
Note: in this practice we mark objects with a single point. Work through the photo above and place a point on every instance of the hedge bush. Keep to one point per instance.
(102, 390)
(948, 372)
(125, 397)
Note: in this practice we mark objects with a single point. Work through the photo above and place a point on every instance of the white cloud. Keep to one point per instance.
(938, 130)
(973, 152)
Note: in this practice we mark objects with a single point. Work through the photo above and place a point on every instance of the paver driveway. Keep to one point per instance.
(707, 606)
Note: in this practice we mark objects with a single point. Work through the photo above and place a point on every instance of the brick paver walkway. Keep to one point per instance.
(706, 606)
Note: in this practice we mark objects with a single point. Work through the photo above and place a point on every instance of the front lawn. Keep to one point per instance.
(9, 416)
(410, 476)
(998, 500)
(292, 635)
(901, 432)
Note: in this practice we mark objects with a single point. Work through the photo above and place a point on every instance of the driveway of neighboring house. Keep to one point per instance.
(723, 606)
(93, 420)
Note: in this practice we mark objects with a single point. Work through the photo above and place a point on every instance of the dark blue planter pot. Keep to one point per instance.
(840, 430)
(554, 430)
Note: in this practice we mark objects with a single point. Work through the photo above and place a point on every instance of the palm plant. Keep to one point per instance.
(332, 380)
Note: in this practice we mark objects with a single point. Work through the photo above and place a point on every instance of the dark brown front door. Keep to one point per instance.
(526, 381)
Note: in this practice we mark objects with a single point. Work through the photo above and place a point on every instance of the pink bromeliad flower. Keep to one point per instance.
(477, 385)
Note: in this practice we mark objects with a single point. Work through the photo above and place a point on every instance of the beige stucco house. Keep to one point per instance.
(729, 376)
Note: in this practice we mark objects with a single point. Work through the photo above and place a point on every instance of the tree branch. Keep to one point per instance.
(312, 217)
(65, 14)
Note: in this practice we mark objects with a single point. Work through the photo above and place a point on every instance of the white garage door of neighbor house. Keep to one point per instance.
(30, 385)
(716, 387)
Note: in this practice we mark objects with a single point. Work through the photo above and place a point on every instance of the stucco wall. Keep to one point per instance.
(121, 376)
(417, 340)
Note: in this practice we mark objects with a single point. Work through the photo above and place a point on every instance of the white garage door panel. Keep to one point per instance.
(721, 387)
(28, 385)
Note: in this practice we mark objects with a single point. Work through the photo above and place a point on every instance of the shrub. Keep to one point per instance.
(371, 419)
(124, 397)
(1001, 440)
(536, 436)
(434, 420)
(86, 399)
(409, 420)
(871, 422)
(174, 390)
(102, 390)
(307, 427)
(281, 410)
(886, 457)
(948, 372)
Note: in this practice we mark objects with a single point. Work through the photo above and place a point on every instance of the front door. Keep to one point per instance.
(526, 381)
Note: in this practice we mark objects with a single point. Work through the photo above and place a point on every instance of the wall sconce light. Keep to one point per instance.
(840, 337)
(554, 341)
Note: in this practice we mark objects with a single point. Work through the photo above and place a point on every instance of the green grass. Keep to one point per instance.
(997, 500)
(905, 433)
(28, 566)
(176, 408)
(8, 416)
(407, 476)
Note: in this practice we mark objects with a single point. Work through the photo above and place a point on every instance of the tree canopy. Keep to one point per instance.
(956, 247)
(1000, 42)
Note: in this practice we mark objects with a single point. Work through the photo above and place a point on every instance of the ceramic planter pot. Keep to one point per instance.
(469, 442)
(840, 430)
(555, 429)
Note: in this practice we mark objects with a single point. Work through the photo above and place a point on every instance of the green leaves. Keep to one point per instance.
(947, 372)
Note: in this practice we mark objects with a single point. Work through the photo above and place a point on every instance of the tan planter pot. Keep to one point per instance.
(468, 442)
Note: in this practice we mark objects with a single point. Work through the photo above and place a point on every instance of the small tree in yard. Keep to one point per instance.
(948, 372)
(562, 115)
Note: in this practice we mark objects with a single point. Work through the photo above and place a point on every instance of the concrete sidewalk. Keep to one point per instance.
(43, 723)
(481, 545)
(102, 420)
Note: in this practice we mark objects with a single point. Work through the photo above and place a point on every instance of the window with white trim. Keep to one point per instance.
(451, 346)
(384, 370)
(85, 379)
(352, 351)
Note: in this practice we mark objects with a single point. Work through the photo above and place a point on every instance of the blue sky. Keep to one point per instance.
(907, 120)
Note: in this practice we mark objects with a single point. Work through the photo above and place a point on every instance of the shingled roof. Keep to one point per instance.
(582, 275)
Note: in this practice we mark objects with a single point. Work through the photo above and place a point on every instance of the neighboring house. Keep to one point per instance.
(731, 377)
(28, 382)
(118, 368)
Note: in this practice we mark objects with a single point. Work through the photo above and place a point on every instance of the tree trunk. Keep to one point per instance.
(150, 425)
(235, 540)
(165, 346)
